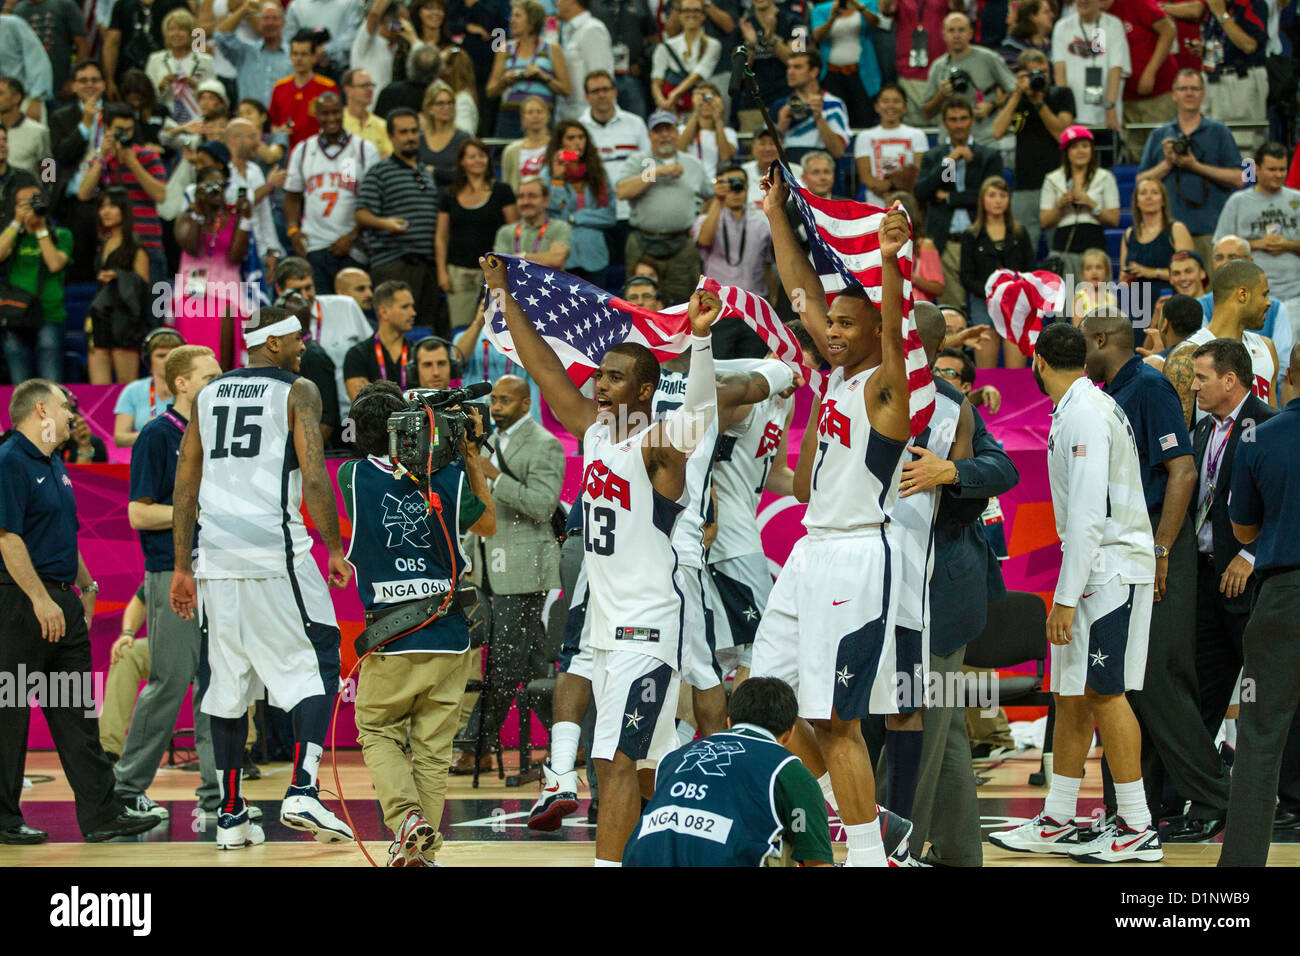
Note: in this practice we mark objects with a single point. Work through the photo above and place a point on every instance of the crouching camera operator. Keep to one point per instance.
(409, 502)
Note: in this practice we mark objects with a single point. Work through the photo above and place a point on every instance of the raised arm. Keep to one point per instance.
(887, 399)
(317, 489)
(798, 277)
(575, 411)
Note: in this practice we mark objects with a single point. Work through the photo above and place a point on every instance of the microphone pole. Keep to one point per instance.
(740, 67)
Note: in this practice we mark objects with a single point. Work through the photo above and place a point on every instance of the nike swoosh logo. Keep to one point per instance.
(838, 603)
(1090, 594)
(1116, 847)
(554, 789)
(1048, 834)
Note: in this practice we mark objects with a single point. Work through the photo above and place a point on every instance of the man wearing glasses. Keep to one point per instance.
(359, 89)
(617, 134)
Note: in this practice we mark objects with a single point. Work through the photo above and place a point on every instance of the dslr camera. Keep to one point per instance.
(425, 436)
(1182, 145)
(39, 204)
(736, 184)
(1037, 81)
(799, 110)
(959, 80)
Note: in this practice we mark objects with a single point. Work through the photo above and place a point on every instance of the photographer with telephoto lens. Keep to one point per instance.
(735, 249)
(418, 488)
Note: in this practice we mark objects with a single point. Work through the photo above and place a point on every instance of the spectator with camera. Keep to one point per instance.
(1150, 34)
(1090, 55)
(888, 155)
(35, 254)
(706, 133)
(581, 196)
(1036, 113)
(410, 689)
(1267, 216)
(1197, 159)
(1079, 199)
(949, 183)
(524, 465)
(975, 72)
(1233, 40)
(735, 245)
(811, 118)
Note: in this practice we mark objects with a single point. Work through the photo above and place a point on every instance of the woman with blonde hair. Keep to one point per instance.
(525, 157)
(1148, 247)
(440, 137)
(1092, 290)
(994, 241)
(177, 71)
(458, 73)
(526, 66)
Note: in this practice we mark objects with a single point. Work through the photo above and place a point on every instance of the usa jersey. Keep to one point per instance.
(856, 471)
(688, 535)
(1261, 361)
(627, 530)
(912, 520)
(1097, 497)
(327, 177)
(744, 458)
(250, 498)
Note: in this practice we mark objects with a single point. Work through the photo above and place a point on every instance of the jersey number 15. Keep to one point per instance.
(245, 436)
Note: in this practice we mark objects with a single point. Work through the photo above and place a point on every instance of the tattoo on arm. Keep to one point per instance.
(1178, 369)
(305, 407)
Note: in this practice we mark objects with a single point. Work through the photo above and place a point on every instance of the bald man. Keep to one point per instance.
(524, 464)
(355, 284)
(242, 139)
(1166, 707)
(1277, 320)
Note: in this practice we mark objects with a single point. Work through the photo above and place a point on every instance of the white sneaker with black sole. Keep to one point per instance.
(302, 810)
(141, 803)
(1042, 834)
(235, 831)
(1120, 843)
(559, 798)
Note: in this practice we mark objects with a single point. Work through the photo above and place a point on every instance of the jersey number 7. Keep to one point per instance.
(330, 200)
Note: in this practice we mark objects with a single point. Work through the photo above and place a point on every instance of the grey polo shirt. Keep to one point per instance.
(671, 203)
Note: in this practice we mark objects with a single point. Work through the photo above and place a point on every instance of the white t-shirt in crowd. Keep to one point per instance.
(889, 150)
(705, 147)
(1071, 40)
(1102, 189)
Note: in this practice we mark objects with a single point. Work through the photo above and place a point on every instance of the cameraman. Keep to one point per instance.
(1198, 160)
(811, 118)
(410, 687)
(975, 72)
(735, 249)
(1037, 113)
(34, 255)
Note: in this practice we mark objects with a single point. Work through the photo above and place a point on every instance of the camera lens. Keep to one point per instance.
(736, 184)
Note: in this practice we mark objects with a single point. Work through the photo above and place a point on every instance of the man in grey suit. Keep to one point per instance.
(525, 465)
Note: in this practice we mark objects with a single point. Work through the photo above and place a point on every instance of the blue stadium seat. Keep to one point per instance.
(1113, 239)
(77, 299)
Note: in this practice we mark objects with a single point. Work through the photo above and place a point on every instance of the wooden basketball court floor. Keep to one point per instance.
(481, 827)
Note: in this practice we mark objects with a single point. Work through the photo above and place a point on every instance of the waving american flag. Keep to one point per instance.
(843, 238)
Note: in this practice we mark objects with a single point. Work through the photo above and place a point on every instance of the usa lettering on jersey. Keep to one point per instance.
(599, 482)
(771, 440)
(834, 423)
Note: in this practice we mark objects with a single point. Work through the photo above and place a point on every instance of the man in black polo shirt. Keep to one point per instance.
(173, 642)
(1166, 707)
(386, 355)
(1265, 510)
(46, 630)
(397, 205)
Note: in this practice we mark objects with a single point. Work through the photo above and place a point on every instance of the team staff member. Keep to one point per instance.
(1265, 509)
(173, 642)
(738, 797)
(411, 689)
(395, 312)
(47, 622)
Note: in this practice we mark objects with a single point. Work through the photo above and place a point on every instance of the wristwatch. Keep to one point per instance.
(91, 588)
(1162, 551)
(1109, 104)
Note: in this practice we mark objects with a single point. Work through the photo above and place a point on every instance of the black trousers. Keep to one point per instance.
(81, 219)
(514, 657)
(1174, 741)
(848, 87)
(1219, 633)
(422, 276)
(76, 735)
(1270, 695)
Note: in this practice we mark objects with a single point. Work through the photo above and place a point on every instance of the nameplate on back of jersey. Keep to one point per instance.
(412, 589)
(644, 635)
(688, 821)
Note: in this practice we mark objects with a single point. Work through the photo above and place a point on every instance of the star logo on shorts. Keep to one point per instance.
(1099, 659)
(842, 676)
(634, 719)
(750, 613)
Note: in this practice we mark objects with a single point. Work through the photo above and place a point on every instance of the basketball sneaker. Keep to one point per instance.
(559, 798)
(1120, 843)
(1042, 834)
(414, 838)
(141, 803)
(302, 810)
(895, 832)
(235, 831)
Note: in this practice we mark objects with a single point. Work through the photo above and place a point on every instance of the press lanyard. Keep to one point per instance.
(1212, 461)
(320, 319)
(381, 359)
(726, 243)
(175, 419)
(153, 398)
(519, 231)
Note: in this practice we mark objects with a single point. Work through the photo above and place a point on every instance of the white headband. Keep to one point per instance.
(284, 327)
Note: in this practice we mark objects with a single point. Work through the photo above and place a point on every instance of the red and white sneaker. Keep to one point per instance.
(415, 837)
(895, 832)
(1120, 843)
(559, 798)
(1042, 834)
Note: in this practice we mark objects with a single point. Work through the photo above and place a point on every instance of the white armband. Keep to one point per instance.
(778, 374)
(685, 427)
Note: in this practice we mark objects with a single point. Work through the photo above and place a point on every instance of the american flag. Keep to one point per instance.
(581, 322)
(845, 246)
(1017, 302)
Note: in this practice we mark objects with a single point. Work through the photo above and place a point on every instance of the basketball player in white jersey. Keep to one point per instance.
(829, 626)
(1101, 611)
(320, 193)
(1240, 305)
(250, 455)
(634, 479)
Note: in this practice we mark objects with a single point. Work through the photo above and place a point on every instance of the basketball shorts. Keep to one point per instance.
(828, 630)
(636, 705)
(1108, 641)
(743, 584)
(275, 633)
(700, 617)
(575, 652)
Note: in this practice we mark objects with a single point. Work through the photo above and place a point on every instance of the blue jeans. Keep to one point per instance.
(325, 265)
(37, 353)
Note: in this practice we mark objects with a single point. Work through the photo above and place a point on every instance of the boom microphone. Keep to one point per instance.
(454, 396)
